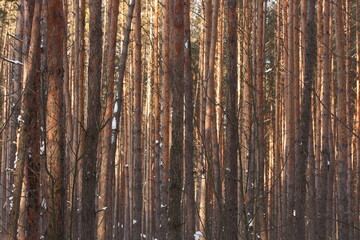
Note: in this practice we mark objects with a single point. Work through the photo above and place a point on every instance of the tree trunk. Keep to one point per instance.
(88, 215)
(326, 124)
(342, 132)
(55, 158)
(138, 155)
(107, 174)
(305, 122)
(189, 194)
(177, 89)
(231, 144)
(28, 148)
(165, 119)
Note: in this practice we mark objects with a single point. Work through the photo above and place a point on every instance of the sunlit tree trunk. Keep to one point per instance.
(357, 221)
(55, 110)
(246, 152)
(212, 145)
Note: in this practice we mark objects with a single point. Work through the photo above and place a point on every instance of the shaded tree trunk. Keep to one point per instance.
(107, 174)
(342, 132)
(138, 151)
(231, 144)
(326, 125)
(28, 147)
(189, 191)
(177, 89)
(305, 122)
(165, 119)
(88, 214)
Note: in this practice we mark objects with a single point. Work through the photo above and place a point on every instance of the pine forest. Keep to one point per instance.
(179, 119)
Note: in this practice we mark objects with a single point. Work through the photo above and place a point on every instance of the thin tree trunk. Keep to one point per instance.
(138, 151)
(326, 124)
(15, 105)
(165, 120)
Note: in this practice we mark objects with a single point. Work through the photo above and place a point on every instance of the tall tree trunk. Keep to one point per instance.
(189, 191)
(78, 117)
(55, 128)
(212, 145)
(290, 122)
(107, 174)
(326, 124)
(138, 156)
(116, 114)
(28, 147)
(259, 139)
(177, 89)
(157, 130)
(231, 144)
(165, 119)
(342, 131)
(15, 105)
(88, 215)
(68, 116)
(305, 122)
(357, 223)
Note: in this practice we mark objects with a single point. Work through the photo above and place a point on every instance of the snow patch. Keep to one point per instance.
(251, 223)
(13, 61)
(187, 44)
(42, 148)
(197, 235)
(20, 120)
(116, 107)
(43, 203)
(113, 123)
